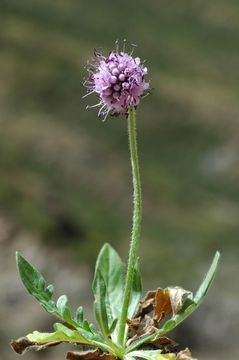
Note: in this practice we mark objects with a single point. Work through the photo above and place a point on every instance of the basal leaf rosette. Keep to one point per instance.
(149, 319)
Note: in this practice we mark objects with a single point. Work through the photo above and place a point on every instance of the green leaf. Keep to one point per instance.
(100, 304)
(192, 304)
(61, 303)
(64, 310)
(136, 291)
(40, 341)
(79, 315)
(113, 326)
(203, 289)
(62, 333)
(50, 290)
(112, 269)
(141, 340)
(35, 284)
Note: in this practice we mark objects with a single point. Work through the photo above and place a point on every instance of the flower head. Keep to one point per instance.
(119, 81)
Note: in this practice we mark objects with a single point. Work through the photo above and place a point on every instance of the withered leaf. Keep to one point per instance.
(22, 345)
(162, 304)
(105, 356)
(148, 328)
(154, 306)
(133, 324)
(96, 354)
(169, 300)
(185, 355)
(83, 355)
(146, 304)
(164, 341)
(177, 298)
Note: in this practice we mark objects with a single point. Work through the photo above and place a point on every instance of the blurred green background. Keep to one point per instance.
(65, 178)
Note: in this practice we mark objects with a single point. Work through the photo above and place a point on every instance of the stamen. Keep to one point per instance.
(93, 106)
(118, 80)
(106, 114)
(124, 45)
(89, 93)
(102, 107)
(117, 46)
(137, 60)
(133, 47)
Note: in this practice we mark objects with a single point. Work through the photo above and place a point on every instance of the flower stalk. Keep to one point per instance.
(137, 215)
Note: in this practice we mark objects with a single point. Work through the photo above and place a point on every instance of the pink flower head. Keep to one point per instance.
(119, 81)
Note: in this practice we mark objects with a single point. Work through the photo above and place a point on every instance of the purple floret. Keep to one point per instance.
(118, 80)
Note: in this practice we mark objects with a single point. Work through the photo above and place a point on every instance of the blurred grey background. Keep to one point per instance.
(65, 185)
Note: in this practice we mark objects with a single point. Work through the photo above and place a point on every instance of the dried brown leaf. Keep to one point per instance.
(177, 298)
(134, 324)
(154, 306)
(185, 355)
(146, 331)
(146, 304)
(106, 356)
(162, 304)
(96, 354)
(22, 345)
(83, 355)
(164, 341)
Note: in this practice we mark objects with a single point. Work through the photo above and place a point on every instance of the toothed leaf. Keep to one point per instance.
(35, 284)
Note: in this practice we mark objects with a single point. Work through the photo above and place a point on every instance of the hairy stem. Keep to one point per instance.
(137, 214)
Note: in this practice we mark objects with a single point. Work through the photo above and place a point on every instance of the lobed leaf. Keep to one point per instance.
(62, 333)
(35, 284)
(40, 341)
